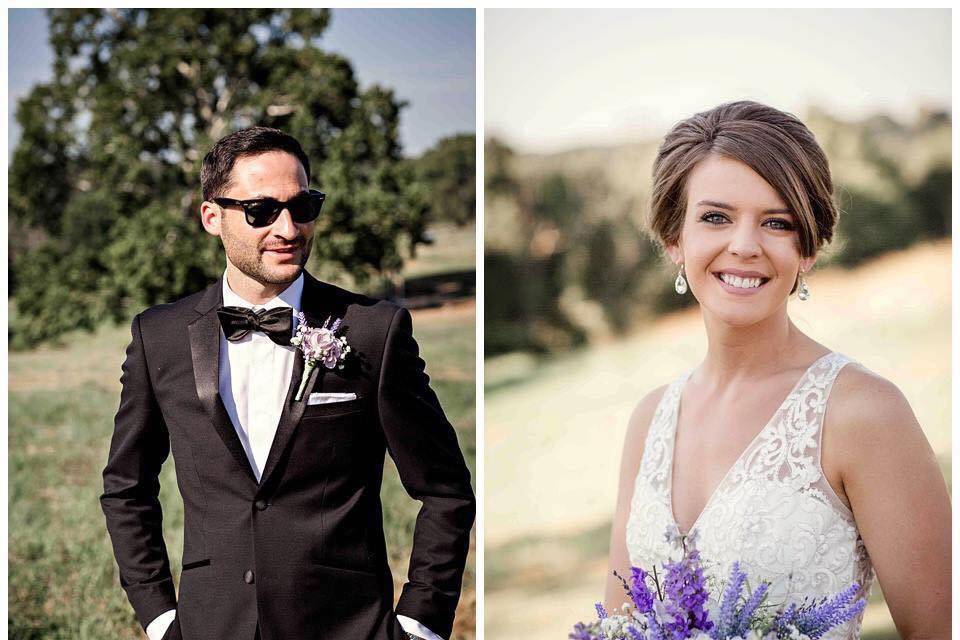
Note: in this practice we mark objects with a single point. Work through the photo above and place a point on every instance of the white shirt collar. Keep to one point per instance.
(289, 297)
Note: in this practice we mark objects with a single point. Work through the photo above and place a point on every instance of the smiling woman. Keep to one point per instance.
(775, 452)
(733, 218)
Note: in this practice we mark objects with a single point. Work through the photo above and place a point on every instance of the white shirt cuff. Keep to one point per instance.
(412, 626)
(160, 624)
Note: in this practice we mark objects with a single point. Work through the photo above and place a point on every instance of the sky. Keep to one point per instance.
(428, 56)
(559, 79)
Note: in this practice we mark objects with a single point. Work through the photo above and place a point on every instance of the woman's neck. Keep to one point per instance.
(756, 351)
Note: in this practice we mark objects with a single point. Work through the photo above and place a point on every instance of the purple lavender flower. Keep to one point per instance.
(639, 592)
(728, 603)
(601, 612)
(582, 632)
(821, 615)
(743, 618)
(733, 621)
(785, 616)
(635, 634)
(686, 594)
(655, 630)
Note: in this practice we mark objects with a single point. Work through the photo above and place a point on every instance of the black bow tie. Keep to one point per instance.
(276, 323)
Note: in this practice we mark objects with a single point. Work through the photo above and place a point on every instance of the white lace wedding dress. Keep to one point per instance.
(774, 511)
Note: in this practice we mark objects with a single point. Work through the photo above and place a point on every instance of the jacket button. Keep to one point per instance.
(260, 505)
(248, 577)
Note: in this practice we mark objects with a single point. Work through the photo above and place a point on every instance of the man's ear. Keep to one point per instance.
(211, 216)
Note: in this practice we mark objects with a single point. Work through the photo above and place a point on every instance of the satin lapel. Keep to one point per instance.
(205, 352)
(314, 308)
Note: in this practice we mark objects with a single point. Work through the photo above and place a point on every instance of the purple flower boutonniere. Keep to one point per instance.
(319, 345)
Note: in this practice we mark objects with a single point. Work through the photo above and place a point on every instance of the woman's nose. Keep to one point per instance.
(744, 242)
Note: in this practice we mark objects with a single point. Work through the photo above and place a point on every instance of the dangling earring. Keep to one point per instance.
(803, 291)
(680, 284)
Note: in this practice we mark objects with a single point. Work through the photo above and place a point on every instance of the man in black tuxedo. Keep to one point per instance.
(283, 532)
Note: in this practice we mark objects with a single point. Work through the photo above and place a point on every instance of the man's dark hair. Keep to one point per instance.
(218, 164)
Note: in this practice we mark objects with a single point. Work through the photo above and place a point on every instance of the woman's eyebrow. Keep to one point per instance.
(730, 207)
(714, 203)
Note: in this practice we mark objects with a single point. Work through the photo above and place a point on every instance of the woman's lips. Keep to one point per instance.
(740, 291)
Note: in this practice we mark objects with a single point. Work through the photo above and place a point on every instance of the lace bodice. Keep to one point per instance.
(774, 511)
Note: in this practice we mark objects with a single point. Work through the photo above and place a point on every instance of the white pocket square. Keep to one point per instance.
(327, 398)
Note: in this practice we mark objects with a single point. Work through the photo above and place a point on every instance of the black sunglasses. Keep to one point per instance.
(262, 212)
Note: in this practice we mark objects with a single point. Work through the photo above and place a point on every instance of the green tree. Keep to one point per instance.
(107, 166)
(449, 172)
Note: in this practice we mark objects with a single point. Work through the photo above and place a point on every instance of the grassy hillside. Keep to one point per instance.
(554, 428)
(613, 180)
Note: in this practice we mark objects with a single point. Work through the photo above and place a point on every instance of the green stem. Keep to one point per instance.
(307, 370)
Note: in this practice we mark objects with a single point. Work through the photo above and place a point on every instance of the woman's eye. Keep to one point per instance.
(713, 217)
(779, 224)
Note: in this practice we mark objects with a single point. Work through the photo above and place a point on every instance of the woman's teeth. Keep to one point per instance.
(741, 283)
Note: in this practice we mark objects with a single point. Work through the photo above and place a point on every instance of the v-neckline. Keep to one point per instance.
(675, 419)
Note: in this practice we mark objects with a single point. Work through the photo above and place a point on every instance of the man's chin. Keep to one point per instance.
(279, 274)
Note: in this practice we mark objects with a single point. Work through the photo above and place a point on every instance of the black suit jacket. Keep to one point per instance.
(301, 553)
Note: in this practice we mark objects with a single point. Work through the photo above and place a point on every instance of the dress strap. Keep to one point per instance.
(819, 384)
(658, 447)
(811, 406)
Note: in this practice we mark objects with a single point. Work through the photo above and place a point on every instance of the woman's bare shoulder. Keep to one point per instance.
(867, 413)
(862, 400)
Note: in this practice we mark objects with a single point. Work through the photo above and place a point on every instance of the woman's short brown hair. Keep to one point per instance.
(775, 144)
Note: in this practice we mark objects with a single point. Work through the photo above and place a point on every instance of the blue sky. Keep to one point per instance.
(428, 56)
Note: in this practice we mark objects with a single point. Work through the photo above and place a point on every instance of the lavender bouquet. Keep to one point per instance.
(681, 607)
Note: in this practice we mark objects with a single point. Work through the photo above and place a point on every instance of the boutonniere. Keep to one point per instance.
(319, 345)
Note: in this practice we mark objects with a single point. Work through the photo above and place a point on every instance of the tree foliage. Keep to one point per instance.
(106, 172)
(449, 171)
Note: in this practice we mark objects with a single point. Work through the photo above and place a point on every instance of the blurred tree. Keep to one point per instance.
(870, 225)
(557, 202)
(448, 171)
(930, 202)
(107, 166)
(497, 175)
(526, 315)
(616, 258)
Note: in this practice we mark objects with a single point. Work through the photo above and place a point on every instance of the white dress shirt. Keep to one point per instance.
(255, 374)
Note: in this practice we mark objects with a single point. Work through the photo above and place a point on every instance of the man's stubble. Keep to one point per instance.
(249, 260)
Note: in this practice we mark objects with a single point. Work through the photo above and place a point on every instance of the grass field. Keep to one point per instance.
(63, 580)
(553, 430)
(453, 249)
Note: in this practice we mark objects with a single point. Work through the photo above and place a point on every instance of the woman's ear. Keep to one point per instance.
(675, 253)
(807, 263)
